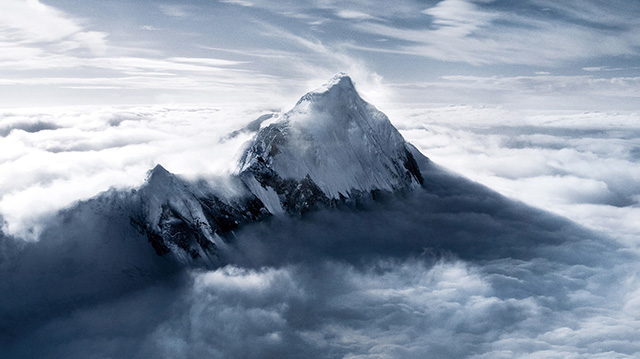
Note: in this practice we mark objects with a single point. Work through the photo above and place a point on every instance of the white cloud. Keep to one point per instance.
(238, 2)
(149, 28)
(174, 10)
(33, 22)
(86, 152)
(456, 18)
(585, 166)
(586, 93)
(353, 15)
(30, 24)
(465, 31)
(579, 165)
(541, 85)
(409, 309)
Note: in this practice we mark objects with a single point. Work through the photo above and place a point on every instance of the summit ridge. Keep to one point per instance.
(337, 140)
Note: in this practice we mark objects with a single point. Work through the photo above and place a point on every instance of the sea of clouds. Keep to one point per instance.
(582, 165)
(333, 286)
(585, 166)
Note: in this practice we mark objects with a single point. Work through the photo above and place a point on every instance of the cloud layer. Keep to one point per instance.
(56, 158)
(412, 309)
(580, 165)
(439, 273)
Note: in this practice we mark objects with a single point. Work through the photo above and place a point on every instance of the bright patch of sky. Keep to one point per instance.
(531, 54)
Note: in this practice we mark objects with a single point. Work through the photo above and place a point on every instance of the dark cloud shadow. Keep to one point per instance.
(451, 270)
(88, 254)
(31, 127)
(451, 216)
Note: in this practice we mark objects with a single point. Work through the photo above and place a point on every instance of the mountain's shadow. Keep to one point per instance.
(449, 217)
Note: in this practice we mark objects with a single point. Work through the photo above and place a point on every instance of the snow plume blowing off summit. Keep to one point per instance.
(334, 238)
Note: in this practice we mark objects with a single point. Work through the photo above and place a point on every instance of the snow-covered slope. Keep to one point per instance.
(332, 148)
(188, 219)
(332, 145)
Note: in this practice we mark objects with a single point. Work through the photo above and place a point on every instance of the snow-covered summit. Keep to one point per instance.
(332, 148)
(339, 83)
(336, 141)
(189, 219)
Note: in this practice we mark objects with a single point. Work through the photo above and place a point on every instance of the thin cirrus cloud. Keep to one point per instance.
(238, 2)
(48, 54)
(545, 45)
(456, 18)
(31, 23)
(485, 33)
(174, 10)
(62, 35)
(353, 15)
(317, 39)
(552, 85)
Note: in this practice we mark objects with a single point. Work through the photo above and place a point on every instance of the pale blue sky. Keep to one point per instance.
(538, 54)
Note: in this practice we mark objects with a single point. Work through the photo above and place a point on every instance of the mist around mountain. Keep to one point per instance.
(335, 238)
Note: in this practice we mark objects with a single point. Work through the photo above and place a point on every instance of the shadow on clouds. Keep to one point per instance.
(453, 270)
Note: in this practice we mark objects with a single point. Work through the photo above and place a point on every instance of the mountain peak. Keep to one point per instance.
(340, 86)
(159, 180)
(158, 173)
(339, 80)
(335, 141)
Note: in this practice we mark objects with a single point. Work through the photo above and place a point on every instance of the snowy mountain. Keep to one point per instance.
(190, 220)
(332, 153)
(327, 186)
(331, 146)
(331, 149)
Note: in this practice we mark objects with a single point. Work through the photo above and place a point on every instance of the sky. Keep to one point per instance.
(525, 54)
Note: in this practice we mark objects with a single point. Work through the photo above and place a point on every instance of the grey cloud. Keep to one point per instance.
(413, 309)
(30, 127)
(451, 271)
